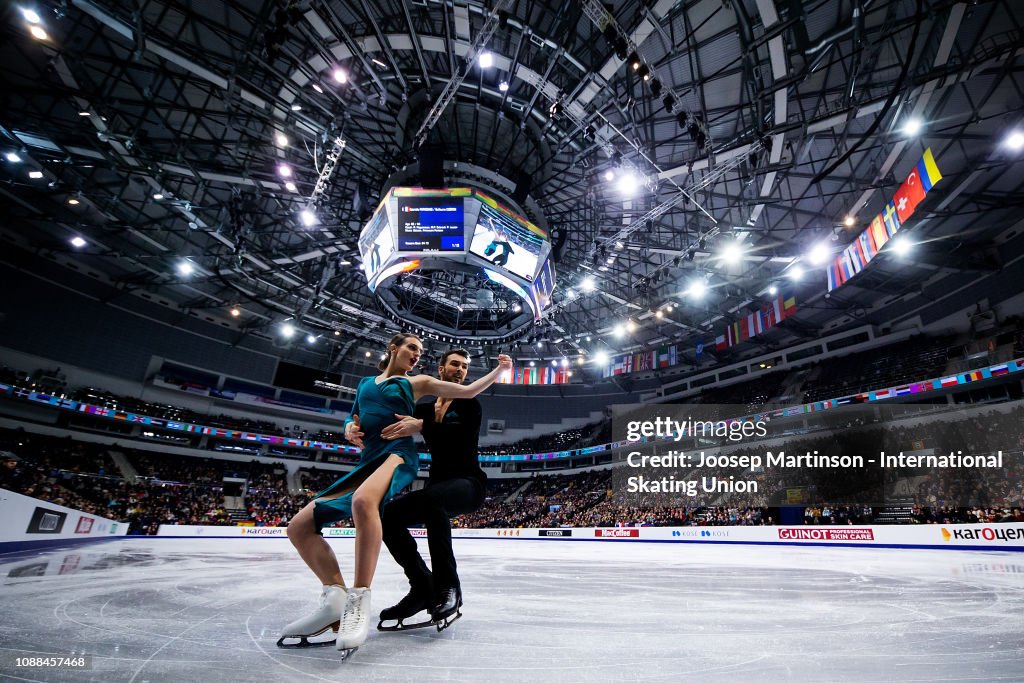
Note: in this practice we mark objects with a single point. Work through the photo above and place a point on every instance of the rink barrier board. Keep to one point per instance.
(29, 522)
(1009, 536)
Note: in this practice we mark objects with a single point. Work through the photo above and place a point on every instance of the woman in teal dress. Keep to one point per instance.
(385, 468)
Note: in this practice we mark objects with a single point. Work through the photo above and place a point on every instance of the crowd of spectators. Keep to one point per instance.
(915, 359)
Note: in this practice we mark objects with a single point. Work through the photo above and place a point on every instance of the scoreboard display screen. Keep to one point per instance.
(506, 243)
(431, 224)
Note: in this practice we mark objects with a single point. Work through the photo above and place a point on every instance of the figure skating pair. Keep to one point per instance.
(386, 466)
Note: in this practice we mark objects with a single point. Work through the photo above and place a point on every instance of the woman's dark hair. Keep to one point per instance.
(396, 341)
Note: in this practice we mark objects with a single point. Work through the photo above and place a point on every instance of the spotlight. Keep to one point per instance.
(308, 218)
(644, 72)
(38, 33)
(912, 127)
(337, 333)
(849, 221)
(796, 273)
(290, 186)
(659, 315)
(368, 354)
(634, 60)
(287, 330)
(620, 47)
(773, 290)
(1015, 140)
(732, 253)
(628, 183)
(84, 113)
(281, 139)
(554, 362)
(77, 242)
(681, 119)
(697, 289)
(316, 86)
(73, 201)
(619, 330)
(901, 246)
(655, 87)
(503, 86)
(310, 339)
(13, 158)
(588, 285)
(30, 16)
(533, 364)
(296, 107)
(609, 175)
(284, 170)
(486, 60)
(601, 358)
(158, 196)
(186, 268)
(819, 254)
(235, 312)
(517, 308)
(340, 76)
(669, 102)
(668, 309)
(35, 175)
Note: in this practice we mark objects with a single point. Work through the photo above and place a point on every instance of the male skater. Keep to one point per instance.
(451, 428)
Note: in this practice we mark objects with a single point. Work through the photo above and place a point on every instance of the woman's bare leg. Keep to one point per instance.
(366, 515)
(312, 547)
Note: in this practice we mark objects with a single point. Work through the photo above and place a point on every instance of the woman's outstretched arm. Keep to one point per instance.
(424, 385)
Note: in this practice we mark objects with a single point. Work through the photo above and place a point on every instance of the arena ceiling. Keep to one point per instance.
(151, 131)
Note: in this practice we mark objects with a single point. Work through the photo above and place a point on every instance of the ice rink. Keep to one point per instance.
(155, 609)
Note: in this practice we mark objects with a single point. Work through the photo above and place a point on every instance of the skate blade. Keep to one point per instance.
(345, 654)
(400, 626)
(304, 640)
(448, 621)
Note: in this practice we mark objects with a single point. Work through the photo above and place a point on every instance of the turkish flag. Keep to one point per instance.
(909, 195)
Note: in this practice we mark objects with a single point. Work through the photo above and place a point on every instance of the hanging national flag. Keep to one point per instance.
(878, 233)
(891, 219)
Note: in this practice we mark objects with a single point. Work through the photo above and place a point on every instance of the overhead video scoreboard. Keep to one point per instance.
(415, 228)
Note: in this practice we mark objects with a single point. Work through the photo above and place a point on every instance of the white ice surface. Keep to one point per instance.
(156, 609)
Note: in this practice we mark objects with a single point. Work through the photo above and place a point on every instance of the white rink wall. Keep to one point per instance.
(951, 536)
(28, 519)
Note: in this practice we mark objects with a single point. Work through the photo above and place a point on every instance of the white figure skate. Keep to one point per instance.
(326, 618)
(355, 621)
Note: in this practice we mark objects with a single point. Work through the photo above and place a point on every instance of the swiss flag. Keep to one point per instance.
(909, 195)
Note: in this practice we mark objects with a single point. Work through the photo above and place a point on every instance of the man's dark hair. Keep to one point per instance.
(454, 352)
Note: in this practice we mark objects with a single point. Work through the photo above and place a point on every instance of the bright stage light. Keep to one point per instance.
(732, 253)
(912, 127)
(308, 218)
(486, 60)
(819, 254)
(287, 330)
(601, 358)
(901, 246)
(186, 268)
(340, 76)
(77, 242)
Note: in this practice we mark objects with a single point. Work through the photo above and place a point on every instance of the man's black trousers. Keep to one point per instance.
(432, 506)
